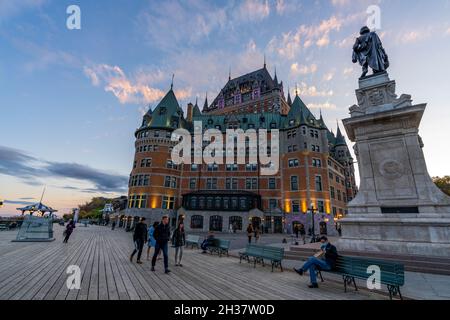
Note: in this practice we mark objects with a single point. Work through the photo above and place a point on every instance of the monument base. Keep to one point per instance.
(421, 235)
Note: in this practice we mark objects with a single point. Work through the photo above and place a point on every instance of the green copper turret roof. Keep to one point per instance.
(300, 114)
(340, 140)
(166, 112)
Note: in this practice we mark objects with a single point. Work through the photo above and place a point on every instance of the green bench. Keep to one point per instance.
(259, 253)
(192, 240)
(220, 247)
(392, 273)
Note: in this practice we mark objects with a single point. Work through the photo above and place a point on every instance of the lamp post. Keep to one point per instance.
(313, 210)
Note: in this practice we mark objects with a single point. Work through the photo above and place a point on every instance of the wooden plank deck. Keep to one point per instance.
(37, 271)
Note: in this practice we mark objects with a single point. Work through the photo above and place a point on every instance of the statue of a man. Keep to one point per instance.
(369, 52)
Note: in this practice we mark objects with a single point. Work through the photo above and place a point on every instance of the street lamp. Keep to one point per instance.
(313, 210)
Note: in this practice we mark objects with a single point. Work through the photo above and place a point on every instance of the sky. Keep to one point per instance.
(70, 100)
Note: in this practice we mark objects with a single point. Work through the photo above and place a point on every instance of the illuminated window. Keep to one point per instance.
(168, 202)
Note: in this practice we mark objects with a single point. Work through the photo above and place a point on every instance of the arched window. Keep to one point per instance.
(193, 203)
(197, 222)
(215, 223)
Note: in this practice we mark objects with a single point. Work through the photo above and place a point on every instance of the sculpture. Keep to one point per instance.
(369, 52)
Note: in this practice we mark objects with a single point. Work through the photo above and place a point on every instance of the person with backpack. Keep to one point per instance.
(151, 239)
(139, 239)
(162, 237)
(179, 241)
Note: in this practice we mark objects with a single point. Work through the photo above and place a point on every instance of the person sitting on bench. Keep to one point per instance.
(325, 259)
(209, 241)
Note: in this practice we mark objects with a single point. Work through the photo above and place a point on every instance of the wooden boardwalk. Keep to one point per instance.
(37, 271)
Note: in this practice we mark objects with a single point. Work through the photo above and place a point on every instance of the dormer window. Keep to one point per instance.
(273, 125)
(162, 110)
(291, 122)
(210, 121)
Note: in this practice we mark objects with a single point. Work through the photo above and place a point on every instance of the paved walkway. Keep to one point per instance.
(38, 271)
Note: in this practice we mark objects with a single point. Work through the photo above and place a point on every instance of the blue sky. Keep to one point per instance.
(70, 100)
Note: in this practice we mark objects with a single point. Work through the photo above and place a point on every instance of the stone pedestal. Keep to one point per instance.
(398, 208)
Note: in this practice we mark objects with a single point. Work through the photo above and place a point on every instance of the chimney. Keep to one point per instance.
(190, 110)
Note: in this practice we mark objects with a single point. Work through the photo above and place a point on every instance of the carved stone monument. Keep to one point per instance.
(398, 208)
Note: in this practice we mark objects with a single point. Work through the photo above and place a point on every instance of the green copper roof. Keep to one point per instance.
(196, 111)
(244, 121)
(300, 115)
(166, 113)
(340, 140)
(331, 137)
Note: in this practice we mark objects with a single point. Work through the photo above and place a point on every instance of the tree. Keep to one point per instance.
(443, 184)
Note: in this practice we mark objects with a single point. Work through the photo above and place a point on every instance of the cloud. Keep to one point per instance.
(348, 71)
(18, 202)
(254, 10)
(321, 106)
(328, 76)
(340, 3)
(169, 25)
(289, 44)
(297, 69)
(18, 164)
(10, 9)
(137, 90)
(311, 91)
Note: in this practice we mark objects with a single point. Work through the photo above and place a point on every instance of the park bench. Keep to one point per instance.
(259, 253)
(392, 273)
(4, 227)
(192, 240)
(220, 247)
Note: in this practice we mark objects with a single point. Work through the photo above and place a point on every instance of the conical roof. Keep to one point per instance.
(300, 113)
(340, 139)
(167, 110)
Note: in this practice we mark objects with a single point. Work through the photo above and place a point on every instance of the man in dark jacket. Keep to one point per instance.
(325, 260)
(139, 238)
(162, 237)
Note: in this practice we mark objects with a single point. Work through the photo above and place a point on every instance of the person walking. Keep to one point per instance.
(113, 225)
(302, 233)
(139, 238)
(151, 239)
(250, 232)
(178, 241)
(257, 234)
(162, 236)
(296, 230)
(69, 229)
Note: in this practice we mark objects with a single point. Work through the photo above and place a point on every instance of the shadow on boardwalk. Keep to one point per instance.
(38, 271)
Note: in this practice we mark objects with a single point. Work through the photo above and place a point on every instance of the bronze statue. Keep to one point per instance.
(369, 52)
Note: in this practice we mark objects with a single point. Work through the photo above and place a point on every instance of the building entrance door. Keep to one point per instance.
(278, 224)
